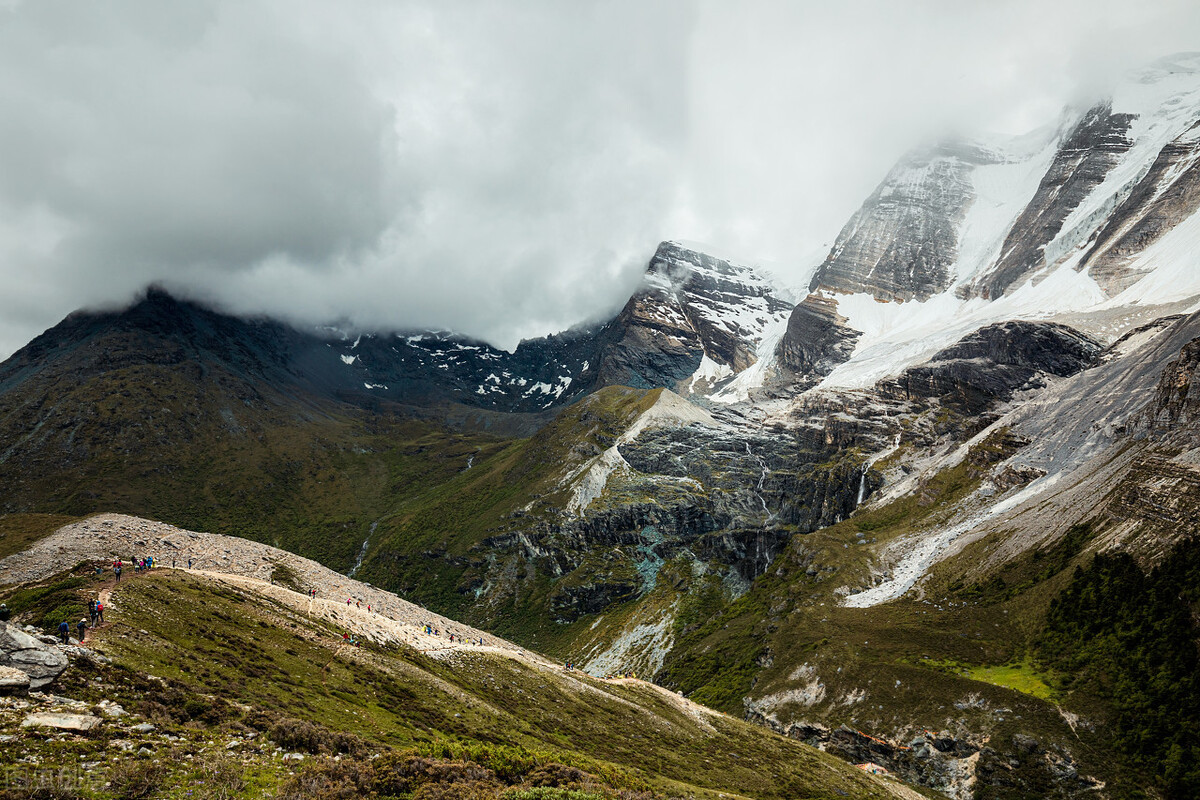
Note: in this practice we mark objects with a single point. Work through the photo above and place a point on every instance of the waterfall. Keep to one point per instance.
(761, 479)
(362, 553)
(862, 486)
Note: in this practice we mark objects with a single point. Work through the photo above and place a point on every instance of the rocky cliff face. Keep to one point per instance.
(1084, 160)
(993, 362)
(902, 243)
(816, 341)
(1176, 403)
(1165, 197)
(693, 309)
(725, 499)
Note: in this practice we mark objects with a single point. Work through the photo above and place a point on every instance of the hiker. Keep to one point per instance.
(100, 611)
(4, 612)
(189, 563)
(81, 626)
(117, 572)
(347, 602)
(64, 631)
(92, 612)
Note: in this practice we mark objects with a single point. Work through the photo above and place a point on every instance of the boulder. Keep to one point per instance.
(42, 663)
(13, 681)
(81, 723)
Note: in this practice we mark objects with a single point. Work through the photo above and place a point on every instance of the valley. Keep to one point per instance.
(935, 512)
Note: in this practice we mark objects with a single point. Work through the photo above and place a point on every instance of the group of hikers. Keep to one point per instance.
(95, 616)
(429, 630)
(139, 565)
(569, 666)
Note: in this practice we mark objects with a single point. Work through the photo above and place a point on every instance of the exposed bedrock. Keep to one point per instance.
(1082, 162)
(993, 362)
(1175, 407)
(957, 766)
(727, 499)
(817, 340)
(902, 243)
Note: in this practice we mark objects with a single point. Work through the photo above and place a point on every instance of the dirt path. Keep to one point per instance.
(107, 537)
(371, 613)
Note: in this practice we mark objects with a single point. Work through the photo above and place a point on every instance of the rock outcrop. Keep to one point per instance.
(1175, 407)
(13, 682)
(902, 243)
(691, 306)
(817, 340)
(993, 362)
(41, 662)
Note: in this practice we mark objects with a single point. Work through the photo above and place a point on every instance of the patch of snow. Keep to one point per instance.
(921, 551)
(1002, 191)
(899, 335)
(709, 372)
(757, 374)
(374, 386)
(348, 360)
(1172, 267)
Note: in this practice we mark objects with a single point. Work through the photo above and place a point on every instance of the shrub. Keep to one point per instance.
(314, 738)
(329, 780)
(404, 773)
(134, 780)
(222, 776)
(551, 793)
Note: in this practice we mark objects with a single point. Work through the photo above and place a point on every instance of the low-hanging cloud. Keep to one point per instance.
(502, 169)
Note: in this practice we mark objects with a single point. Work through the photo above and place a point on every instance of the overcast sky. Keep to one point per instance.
(500, 168)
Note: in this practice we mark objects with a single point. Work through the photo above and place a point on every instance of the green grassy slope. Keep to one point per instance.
(961, 657)
(253, 664)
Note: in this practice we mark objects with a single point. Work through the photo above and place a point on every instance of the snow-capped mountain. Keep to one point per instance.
(993, 379)
(695, 320)
(1092, 223)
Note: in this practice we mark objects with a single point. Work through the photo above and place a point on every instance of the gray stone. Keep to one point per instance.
(63, 722)
(13, 681)
(145, 727)
(20, 650)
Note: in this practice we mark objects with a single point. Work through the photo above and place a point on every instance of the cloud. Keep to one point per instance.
(503, 169)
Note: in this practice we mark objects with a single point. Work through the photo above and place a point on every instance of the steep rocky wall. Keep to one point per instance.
(816, 341)
(1083, 161)
(902, 242)
(1167, 195)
